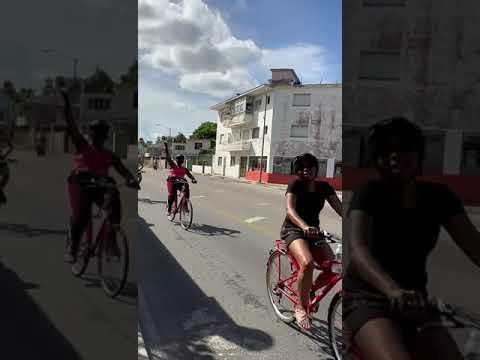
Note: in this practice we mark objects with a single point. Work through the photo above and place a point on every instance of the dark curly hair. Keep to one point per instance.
(305, 159)
(410, 135)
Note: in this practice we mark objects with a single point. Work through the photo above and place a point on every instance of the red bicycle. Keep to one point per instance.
(282, 272)
(182, 204)
(109, 246)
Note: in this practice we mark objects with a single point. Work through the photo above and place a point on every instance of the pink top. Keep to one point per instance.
(93, 161)
(177, 171)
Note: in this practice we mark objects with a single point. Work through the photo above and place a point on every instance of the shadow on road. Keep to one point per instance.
(209, 230)
(318, 334)
(29, 231)
(151, 202)
(179, 320)
(25, 331)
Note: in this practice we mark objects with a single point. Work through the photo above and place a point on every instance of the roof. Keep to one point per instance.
(262, 88)
(259, 89)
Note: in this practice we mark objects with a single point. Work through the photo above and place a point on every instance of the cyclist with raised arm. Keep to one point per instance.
(91, 160)
(176, 171)
(4, 170)
(305, 198)
(393, 225)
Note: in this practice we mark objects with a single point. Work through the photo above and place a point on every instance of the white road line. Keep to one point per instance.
(254, 219)
(263, 204)
(198, 196)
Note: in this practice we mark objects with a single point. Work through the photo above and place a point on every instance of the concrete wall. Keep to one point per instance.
(323, 118)
(433, 52)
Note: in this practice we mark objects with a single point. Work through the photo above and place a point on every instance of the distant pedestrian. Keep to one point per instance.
(4, 171)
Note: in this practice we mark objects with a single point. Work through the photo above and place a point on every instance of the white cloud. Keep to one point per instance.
(307, 59)
(191, 45)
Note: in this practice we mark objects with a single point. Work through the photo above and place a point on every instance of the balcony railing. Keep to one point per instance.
(235, 146)
(238, 120)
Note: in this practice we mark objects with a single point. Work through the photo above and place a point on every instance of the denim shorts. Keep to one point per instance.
(361, 306)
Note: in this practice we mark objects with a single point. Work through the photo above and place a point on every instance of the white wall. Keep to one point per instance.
(323, 116)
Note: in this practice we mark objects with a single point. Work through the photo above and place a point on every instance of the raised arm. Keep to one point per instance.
(169, 158)
(72, 126)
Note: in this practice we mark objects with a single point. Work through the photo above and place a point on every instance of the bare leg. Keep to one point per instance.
(301, 252)
(379, 339)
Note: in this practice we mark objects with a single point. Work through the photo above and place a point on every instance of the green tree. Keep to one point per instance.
(180, 138)
(206, 130)
(132, 74)
(99, 82)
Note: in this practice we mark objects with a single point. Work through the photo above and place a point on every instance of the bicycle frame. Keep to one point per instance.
(326, 280)
(180, 197)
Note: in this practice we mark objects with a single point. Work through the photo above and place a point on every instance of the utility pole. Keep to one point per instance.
(263, 139)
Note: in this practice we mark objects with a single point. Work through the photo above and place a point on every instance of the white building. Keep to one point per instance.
(295, 119)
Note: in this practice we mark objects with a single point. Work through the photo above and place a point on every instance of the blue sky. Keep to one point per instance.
(195, 53)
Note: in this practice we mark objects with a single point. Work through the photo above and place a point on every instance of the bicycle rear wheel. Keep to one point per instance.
(280, 282)
(335, 327)
(186, 214)
(83, 254)
(113, 261)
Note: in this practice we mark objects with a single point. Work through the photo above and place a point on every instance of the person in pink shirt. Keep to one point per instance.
(91, 160)
(176, 171)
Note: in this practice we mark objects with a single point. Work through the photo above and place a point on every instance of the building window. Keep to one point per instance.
(254, 163)
(258, 104)
(99, 104)
(219, 161)
(230, 138)
(180, 147)
(471, 155)
(198, 146)
(380, 65)
(255, 133)
(283, 165)
(265, 130)
(222, 138)
(246, 134)
(301, 99)
(299, 131)
(232, 161)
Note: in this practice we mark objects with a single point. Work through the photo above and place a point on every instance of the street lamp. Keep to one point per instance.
(74, 59)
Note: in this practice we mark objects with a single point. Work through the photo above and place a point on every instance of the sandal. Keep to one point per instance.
(303, 320)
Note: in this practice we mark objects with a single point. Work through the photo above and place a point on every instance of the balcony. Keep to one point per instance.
(240, 119)
(235, 146)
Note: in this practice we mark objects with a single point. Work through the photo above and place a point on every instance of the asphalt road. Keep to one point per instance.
(46, 313)
(202, 292)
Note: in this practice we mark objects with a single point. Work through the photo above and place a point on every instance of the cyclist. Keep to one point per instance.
(91, 160)
(394, 222)
(4, 171)
(305, 198)
(176, 171)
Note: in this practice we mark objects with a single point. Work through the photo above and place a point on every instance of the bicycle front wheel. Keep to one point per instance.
(335, 327)
(281, 280)
(113, 261)
(186, 214)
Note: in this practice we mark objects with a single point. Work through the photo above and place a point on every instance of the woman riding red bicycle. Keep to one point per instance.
(176, 171)
(394, 222)
(305, 198)
(90, 160)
